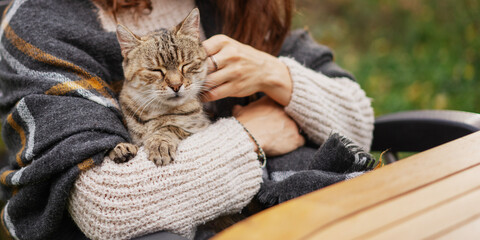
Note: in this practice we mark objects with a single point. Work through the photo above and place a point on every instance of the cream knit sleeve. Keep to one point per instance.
(216, 172)
(323, 105)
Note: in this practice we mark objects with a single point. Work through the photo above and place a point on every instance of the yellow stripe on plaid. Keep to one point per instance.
(116, 86)
(3, 177)
(89, 81)
(21, 133)
(63, 88)
(85, 165)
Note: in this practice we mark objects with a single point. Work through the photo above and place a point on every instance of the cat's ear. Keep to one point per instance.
(190, 25)
(126, 39)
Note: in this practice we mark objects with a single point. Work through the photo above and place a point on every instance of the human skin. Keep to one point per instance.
(243, 71)
(274, 130)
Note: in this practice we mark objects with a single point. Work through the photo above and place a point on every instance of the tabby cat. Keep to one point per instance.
(164, 73)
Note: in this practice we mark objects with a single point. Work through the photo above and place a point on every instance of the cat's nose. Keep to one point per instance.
(176, 87)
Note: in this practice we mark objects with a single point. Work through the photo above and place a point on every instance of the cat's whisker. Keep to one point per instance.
(160, 93)
(202, 95)
(144, 104)
(139, 102)
(205, 89)
(209, 86)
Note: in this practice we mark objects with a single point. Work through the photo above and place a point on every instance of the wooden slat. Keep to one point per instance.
(390, 213)
(469, 229)
(309, 214)
(434, 221)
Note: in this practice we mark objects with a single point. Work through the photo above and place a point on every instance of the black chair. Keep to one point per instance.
(416, 131)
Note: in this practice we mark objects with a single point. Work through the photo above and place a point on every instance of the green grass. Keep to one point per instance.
(406, 54)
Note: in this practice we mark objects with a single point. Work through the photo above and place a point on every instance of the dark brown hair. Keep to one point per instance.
(262, 24)
(114, 6)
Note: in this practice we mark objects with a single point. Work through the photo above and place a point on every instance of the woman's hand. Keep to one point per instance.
(274, 130)
(243, 70)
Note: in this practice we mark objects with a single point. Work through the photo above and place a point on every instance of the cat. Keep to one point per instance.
(164, 74)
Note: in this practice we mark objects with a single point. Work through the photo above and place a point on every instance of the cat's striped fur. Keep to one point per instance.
(164, 73)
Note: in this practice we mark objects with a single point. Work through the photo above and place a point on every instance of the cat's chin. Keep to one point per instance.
(175, 101)
(180, 98)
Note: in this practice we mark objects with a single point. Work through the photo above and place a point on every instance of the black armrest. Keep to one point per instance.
(415, 131)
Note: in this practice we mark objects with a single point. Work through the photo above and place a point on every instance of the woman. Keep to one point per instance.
(60, 71)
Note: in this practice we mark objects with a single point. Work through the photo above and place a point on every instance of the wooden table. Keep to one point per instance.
(431, 195)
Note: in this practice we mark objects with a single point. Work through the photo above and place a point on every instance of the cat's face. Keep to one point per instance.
(166, 66)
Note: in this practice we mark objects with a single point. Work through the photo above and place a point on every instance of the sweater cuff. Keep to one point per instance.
(322, 105)
(216, 172)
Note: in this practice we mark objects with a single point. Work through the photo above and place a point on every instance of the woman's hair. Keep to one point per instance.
(262, 24)
(114, 6)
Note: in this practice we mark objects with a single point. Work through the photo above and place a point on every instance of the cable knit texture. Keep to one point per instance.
(322, 105)
(216, 171)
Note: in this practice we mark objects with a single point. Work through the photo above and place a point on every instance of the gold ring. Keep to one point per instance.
(214, 62)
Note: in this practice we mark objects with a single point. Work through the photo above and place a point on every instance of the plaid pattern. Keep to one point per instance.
(308, 169)
(59, 113)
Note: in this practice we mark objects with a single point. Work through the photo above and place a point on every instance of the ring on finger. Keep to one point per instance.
(214, 61)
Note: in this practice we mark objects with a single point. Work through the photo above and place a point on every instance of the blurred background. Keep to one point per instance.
(406, 54)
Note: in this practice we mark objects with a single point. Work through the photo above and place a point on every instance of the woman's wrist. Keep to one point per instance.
(244, 123)
(278, 84)
(257, 148)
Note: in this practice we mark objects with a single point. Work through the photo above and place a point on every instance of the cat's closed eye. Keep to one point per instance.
(158, 70)
(191, 68)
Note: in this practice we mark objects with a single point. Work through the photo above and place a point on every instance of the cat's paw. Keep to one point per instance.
(161, 152)
(123, 152)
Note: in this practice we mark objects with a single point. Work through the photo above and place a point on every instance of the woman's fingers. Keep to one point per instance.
(211, 67)
(222, 91)
(215, 44)
(245, 69)
(218, 78)
(218, 52)
(220, 59)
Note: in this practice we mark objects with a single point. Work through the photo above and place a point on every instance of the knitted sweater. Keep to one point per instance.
(59, 72)
(121, 201)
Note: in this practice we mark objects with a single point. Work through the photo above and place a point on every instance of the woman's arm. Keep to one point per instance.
(325, 93)
(215, 172)
(322, 105)
(318, 94)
